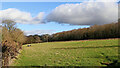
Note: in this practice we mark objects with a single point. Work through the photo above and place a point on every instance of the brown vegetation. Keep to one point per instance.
(93, 32)
(12, 39)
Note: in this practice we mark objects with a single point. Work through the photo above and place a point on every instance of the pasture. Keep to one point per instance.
(69, 53)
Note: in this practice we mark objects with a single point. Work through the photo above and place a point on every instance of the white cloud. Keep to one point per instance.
(39, 32)
(86, 13)
(20, 16)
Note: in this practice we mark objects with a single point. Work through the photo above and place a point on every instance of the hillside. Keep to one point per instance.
(74, 53)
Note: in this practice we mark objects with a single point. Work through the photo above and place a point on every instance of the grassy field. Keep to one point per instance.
(72, 53)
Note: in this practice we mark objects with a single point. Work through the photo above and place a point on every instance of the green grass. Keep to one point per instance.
(71, 53)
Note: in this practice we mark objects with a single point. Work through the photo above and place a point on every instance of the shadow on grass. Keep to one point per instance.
(88, 47)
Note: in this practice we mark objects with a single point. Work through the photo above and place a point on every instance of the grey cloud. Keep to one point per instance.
(86, 13)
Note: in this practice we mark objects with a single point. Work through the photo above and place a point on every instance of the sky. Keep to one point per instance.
(52, 17)
(34, 8)
(57, 0)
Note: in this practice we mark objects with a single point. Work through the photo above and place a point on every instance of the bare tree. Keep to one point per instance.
(9, 24)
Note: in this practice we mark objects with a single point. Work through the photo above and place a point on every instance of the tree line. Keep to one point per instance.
(93, 32)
